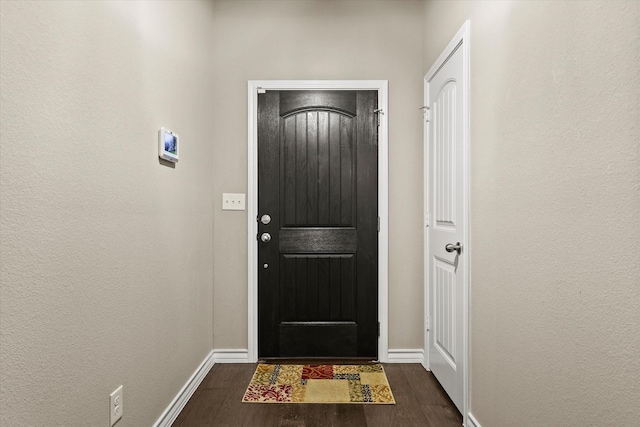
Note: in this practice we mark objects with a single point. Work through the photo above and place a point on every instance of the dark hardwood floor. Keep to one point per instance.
(420, 401)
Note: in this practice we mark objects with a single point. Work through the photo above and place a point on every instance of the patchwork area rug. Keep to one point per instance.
(319, 384)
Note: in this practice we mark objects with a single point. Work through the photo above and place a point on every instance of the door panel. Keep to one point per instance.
(446, 285)
(445, 310)
(317, 288)
(317, 169)
(444, 138)
(317, 179)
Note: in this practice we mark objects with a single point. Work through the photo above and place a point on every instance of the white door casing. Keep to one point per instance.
(382, 86)
(447, 213)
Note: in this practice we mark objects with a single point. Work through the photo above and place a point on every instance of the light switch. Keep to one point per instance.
(233, 201)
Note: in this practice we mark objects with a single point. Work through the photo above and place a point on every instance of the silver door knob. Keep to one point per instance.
(265, 237)
(265, 219)
(451, 247)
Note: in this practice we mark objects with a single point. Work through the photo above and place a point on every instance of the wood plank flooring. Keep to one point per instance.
(420, 401)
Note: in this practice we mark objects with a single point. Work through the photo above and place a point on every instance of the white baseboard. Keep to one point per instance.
(471, 421)
(231, 356)
(397, 355)
(177, 404)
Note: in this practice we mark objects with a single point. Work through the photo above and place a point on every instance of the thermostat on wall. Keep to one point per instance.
(168, 145)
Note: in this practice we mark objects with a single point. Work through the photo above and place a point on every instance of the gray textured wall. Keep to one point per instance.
(105, 254)
(555, 215)
(312, 40)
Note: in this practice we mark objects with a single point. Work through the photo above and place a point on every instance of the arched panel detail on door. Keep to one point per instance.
(444, 134)
(317, 170)
(337, 100)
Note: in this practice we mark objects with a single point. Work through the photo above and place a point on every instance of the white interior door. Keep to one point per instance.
(447, 224)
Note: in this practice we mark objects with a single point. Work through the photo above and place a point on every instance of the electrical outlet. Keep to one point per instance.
(233, 202)
(116, 405)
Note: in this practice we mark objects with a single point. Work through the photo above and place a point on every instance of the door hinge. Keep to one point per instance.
(378, 329)
(427, 219)
(426, 324)
(261, 90)
(425, 112)
(377, 112)
(378, 226)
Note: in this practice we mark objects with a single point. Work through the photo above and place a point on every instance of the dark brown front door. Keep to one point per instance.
(318, 250)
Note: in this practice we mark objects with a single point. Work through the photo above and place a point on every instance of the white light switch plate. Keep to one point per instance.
(233, 201)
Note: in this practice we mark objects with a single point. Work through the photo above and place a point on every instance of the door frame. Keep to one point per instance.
(382, 86)
(460, 41)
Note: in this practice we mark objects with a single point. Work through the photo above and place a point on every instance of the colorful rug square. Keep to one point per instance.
(319, 384)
